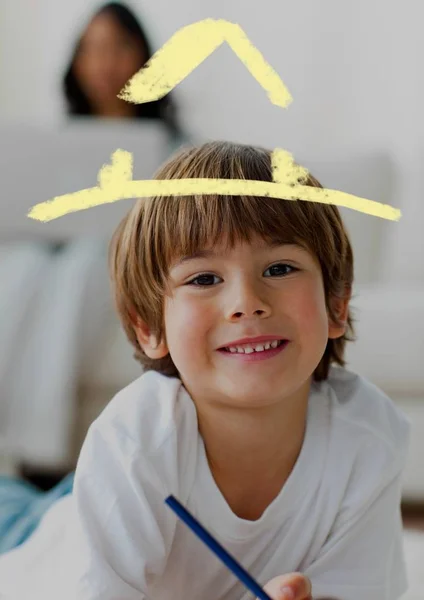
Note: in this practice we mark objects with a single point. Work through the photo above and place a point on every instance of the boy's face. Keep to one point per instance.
(253, 290)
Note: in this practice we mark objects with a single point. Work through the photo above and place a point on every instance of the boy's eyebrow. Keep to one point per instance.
(212, 254)
(197, 254)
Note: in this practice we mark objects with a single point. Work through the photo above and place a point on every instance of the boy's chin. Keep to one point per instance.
(250, 398)
(256, 392)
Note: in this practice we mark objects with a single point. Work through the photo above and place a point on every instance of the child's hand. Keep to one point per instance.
(293, 586)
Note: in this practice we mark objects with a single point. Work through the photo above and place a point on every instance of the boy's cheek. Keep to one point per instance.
(188, 328)
(308, 317)
(309, 311)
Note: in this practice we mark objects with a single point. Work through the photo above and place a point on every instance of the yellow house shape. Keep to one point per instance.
(177, 58)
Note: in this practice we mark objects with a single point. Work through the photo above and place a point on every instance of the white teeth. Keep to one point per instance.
(248, 348)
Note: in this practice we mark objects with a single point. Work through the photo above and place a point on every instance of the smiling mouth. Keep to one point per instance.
(260, 347)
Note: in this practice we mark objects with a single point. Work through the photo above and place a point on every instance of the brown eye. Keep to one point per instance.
(281, 269)
(203, 278)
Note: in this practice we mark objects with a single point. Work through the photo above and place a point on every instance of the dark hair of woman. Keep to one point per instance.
(112, 49)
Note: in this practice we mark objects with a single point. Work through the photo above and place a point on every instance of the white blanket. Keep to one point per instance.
(52, 306)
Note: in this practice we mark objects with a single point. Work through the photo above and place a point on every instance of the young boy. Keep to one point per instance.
(238, 310)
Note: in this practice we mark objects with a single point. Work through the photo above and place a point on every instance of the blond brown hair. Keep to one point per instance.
(158, 230)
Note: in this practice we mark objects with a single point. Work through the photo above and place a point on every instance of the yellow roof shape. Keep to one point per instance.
(189, 47)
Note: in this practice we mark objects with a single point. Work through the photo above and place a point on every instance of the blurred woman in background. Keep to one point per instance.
(110, 51)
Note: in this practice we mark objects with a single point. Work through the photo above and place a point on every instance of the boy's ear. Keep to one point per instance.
(340, 307)
(148, 340)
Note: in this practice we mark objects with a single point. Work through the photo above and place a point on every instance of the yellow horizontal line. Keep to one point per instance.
(121, 190)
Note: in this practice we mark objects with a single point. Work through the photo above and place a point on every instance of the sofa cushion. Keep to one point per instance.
(390, 338)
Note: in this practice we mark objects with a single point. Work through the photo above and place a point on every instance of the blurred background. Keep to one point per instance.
(354, 71)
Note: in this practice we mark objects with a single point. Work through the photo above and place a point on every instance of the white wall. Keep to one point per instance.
(353, 68)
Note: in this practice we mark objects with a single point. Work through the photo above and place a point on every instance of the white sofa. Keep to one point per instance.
(390, 316)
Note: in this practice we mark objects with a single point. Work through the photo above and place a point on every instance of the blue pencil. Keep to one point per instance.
(216, 548)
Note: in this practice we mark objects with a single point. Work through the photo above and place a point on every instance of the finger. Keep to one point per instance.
(292, 586)
(303, 588)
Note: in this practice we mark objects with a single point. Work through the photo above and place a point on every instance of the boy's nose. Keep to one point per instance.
(247, 302)
(258, 312)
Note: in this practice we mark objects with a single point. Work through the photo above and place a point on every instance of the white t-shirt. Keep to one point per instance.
(337, 518)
